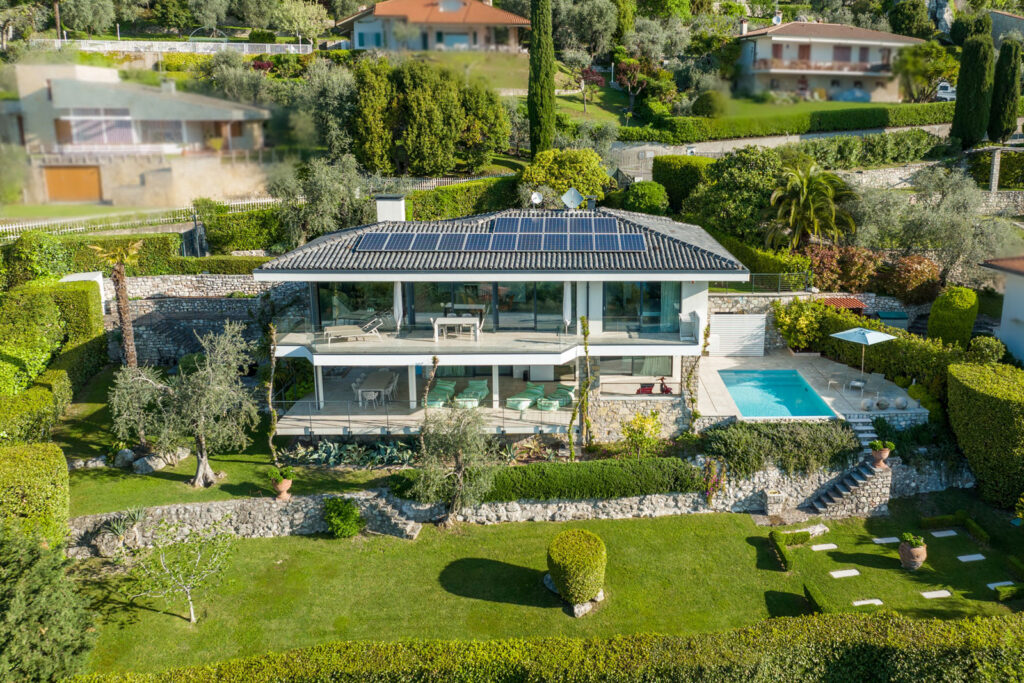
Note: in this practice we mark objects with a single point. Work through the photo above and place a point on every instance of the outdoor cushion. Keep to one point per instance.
(563, 397)
(477, 390)
(519, 402)
(467, 401)
(548, 404)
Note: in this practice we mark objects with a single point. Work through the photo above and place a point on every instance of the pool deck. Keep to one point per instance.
(826, 377)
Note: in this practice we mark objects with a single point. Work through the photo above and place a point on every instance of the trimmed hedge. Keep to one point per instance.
(816, 599)
(880, 646)
(464, 199)
(156, 256)
(762, 260)
(1011, 169)
(986, 411)
(1016, 567)
(749, 447)
(220, 265)
(875, 149)
(243, 231)
(778, 542)
(576, 562)
(34, 489)
(680, 175)
(940, 522)
(1008, 593)
(646, 196)
(952, 316)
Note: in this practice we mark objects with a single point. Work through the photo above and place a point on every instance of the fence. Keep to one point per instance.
(162, 46)
(766, 282)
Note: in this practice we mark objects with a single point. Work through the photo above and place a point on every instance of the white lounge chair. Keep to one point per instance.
(347, 332)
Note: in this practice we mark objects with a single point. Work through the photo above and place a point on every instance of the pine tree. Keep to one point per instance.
(1002, 119)
(541, 95)
(973, 91)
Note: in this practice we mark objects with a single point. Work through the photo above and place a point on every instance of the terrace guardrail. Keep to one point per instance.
(166, 46)
(766, 283)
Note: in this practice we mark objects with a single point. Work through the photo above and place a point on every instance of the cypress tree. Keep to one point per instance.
(540, 99)
(973, 91)
(1002, 119)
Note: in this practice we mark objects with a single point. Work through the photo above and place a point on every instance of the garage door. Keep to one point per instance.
(737, 334)
(73, 183)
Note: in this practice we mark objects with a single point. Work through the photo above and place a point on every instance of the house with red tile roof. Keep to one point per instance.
(1011, 324)
(826, 61)
(434, 25)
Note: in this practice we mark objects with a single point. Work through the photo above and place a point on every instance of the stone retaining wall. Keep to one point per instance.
(608, 414)
(892, 178)
(199, 286)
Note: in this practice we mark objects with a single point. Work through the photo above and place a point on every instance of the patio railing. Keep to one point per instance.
(766, 282)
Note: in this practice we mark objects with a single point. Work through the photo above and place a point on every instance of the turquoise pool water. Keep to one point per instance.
(773, 393)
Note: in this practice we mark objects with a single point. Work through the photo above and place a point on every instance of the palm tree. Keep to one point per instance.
(809, 204)
(119, 258)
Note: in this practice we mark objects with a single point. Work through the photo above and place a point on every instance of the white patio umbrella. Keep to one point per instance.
(864, 337)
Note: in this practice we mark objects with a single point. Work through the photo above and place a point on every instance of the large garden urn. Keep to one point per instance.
(913, 552)
(281, 488)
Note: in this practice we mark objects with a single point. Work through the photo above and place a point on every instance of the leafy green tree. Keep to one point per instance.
(910, 18)
(371, 121)
(809, 204)
(519, 124)
(46, 628)
(255, 13)
(967, 25)
(540, 99)
(173, 14)
(562, 169)
(328, 94)
(738, 193)
(663, 9)
(486, 130)
(119, 258)
(624, 18)
(18, 15)
(321, 197)
(653, 40)
(129, 11)
(1002, 119)
(91, 16)
(922, 67)
(431, 113)
(973, 91)
(209, 13)
(589, 25)
(132, 404)
(306, 20)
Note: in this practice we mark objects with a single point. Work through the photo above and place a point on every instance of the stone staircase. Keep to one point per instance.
(861, 490)
(865, 432)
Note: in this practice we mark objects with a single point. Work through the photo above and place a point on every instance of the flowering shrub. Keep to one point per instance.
(642, 434)
(913, 279)
(260, 65)
(842, 268)
(714, 480)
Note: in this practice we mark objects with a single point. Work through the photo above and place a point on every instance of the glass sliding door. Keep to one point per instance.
(354, 302)
(477, 299)
(641, 306)
(622, 306)
(516, 306)
(429, 300)
(549, 306)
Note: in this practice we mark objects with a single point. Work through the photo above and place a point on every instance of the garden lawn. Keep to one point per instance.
(499, 70)
(752, 109)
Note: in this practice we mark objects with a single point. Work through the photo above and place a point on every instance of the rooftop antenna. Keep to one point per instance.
(536, 198)
(572, 198)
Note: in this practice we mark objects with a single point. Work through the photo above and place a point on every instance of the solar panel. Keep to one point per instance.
(581, 242)
(556, 225)
(506, 224)
(503, 242)
(581, 225)
(426, 241)
(604, 225)
(529, 242)
(556, 242)
(478, 242)
(531, 225)
(632, 242)
(451, 242)
(400, 241)
(605, 242)
(373, 241)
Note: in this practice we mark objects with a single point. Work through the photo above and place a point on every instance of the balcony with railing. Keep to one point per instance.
(771, 64)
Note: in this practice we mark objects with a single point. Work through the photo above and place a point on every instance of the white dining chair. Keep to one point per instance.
(372, 397)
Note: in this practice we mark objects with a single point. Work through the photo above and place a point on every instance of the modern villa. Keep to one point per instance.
(497, 299)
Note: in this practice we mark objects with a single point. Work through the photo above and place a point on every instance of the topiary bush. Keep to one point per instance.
(680, 175)
(749, 447)
(34, 255)
(576, 562)
(952, 316)
(985, 350)
(710, 104)
(986, 411)
(34, 491)
(646, 196)
(260, 35)
(343, 517)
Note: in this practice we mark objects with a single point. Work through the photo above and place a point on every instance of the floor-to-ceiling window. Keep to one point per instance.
(507, 305)
(549, 306)
(641, 306)
(354, 302)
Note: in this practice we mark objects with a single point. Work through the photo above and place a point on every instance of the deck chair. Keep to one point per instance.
(476, 391)
(564, 394)
(526, 398)
(441, 393)
(347, 332)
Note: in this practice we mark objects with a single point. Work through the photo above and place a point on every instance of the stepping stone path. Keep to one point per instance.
(971, 558)
(843, 573)
(883, 541)
(870, 601)
(945, 533)
(931, 595)
(997, 584)
(824, 546)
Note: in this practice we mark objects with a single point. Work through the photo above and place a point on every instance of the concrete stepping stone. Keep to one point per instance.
(977, 557)
(870, 601)
(824, 546)
(945, 533)
(884, 540)
(843, 573)
(931, 595)
(997, 584)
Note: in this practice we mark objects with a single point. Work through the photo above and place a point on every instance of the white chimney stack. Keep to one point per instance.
(744, 25)
(390, 207)
(169, 86)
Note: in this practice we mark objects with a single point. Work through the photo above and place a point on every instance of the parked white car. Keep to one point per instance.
(945, 92)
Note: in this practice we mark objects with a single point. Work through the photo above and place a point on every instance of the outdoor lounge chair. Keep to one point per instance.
(563, 393)
(526, 398)
(347, 332)
(441, 394)
(470, 397)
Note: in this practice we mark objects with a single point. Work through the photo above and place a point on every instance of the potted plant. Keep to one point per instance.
(880, 450)
(913, 551)
(281, 478)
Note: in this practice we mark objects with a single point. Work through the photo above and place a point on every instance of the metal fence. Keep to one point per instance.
(767, 282)
(165, 46)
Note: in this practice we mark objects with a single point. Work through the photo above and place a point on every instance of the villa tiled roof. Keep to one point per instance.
(671, 247)
(1013, 265)
(431, 12)
(837, 32)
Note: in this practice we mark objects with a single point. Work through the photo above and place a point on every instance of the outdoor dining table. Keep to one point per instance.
(456, 321)
(377, 381)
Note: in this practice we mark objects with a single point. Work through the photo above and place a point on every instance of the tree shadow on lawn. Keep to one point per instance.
(494, 581)
(864, 560)
(781, 604)
(765, 555)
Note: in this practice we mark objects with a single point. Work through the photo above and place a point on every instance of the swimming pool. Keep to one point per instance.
(773, 393)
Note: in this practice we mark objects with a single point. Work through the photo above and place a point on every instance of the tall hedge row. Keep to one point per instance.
(828, 647)
(986, 411)
(156, 256)
(952, 316)
(34, 493)
(763, 260)
(680, 175)
(243, 231)
(463, 199)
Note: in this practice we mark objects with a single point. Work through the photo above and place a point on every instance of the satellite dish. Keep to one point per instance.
(572, 198)
(536, 198)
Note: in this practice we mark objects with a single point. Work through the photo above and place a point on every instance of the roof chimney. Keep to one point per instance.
(168, 85)
(744, 25)
(591, 202)
(390, 207)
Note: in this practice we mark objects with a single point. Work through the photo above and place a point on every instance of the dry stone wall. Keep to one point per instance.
(607, 415)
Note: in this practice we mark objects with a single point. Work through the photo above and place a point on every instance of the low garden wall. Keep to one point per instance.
(198, 286)
(890, 178)
(608, 414)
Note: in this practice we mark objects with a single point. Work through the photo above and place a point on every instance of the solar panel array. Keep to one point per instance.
(510, 233)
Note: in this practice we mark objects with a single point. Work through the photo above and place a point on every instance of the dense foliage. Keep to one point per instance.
(34, 255)
(343, 517)
(463, 199)
(31, 330)
(576, 562)
(560, 170)
(974, 91)
(748, 447)
(913, 279)
(759, 260)
(159, 253)
(842, 269)
(646, 196)
(243, 231)
(34, 494)
(952, 316)
(540, 99)
(986, 411)
(680, 175)
(739, 192)
(1011, 169)
(875, 149)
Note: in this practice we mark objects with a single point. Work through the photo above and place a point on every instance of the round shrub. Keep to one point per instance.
(576, 562)
(985, 350)
(986, 411)
(952, 316)
(35, 255)
(646, 196)
(680, 174)
(259, 35)
(710, 104)
(343, 517)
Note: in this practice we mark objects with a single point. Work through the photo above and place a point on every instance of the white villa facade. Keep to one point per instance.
(497, 300)
(1011, 324)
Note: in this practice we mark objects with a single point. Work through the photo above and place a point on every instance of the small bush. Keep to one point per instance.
(749, 447)
(952, 316)
(34, 255)
(796, 537)
(576, 562)
(816, 599)
(912, 279)
(1008, 593)
(680, 175)
(985, 350)
(975, 530)
(642, 433)
(184, 61)
(34, 490)
(343, 517)
(259, 35)
(709, 104)
(646, 197)
(778, 542)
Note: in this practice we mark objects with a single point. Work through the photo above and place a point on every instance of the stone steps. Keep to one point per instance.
(847, 486)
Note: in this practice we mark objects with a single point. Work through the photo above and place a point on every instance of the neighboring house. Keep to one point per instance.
(1011, 325)
(1004, 23)
(497, 300)
(827, 61)
(434, 25)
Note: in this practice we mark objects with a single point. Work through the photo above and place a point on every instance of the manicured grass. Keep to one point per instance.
(605, 105)
(32, 211)
(750, 108)
(500, 70)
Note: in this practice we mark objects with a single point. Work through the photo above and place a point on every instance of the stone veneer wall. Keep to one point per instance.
(891, 178)
(607, 415)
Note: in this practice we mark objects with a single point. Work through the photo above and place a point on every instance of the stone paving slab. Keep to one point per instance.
(945, 533)
(884, 540)
(977, 557)
(870, 601)
(931, 595)
(824, 546)
(997, 584)
(843, 573)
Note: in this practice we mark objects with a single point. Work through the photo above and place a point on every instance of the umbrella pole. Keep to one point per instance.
(862, 350)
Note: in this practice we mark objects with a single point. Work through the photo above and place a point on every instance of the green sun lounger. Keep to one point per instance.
(470, 397)
(526, 398)
(441, 393)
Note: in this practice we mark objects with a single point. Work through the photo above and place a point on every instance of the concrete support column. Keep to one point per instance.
(495, 396)
(581, 305)
(318, 384)
(412, 387)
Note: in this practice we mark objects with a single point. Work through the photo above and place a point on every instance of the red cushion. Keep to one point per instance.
(645, 389)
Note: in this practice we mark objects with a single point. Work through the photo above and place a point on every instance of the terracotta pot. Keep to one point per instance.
(880, 457)
(912, 558)
(282, 489)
